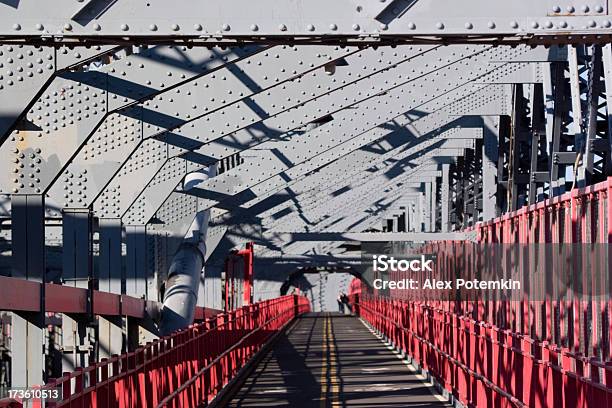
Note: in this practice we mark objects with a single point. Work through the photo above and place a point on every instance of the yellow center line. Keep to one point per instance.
(332, 364)
(323, 403)
(328, 367)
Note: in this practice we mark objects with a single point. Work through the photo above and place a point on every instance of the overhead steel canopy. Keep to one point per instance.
(134, 130)
(312, 21)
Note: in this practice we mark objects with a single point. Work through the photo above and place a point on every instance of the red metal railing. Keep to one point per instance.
(484, 366)
(20, 295)
(582, 216)
(577, 319)
(540, 351)
(186, 368)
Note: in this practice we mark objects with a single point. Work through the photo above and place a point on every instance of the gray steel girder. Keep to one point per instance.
(377, 189)
(347, 164)
(418, 127)
(278, 157)
(228, 92)
(361, 207)
(335, 188)
(218, 140)
(28, 68)
(76, 104)
(313, 20)
(83, 197)
(350, 202)
(233, 139)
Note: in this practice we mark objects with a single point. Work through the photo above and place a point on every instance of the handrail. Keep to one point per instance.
(464, 367)
(161, 368)
(493, 361)
(218, 359)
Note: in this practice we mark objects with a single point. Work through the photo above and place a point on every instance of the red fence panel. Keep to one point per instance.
(484, 366)
(186, 368)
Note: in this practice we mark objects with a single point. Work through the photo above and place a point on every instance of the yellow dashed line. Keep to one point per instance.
(332, 366)
(329, 379)
(324, 366)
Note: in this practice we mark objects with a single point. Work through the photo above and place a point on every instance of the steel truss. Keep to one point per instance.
(390, 120)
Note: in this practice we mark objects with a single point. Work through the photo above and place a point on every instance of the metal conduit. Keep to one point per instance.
(181, 295)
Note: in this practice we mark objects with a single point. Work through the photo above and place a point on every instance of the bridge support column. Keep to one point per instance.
(427, 207)
(76, 272)
(490, 207)
(433, 205)
(445, 198)
(111, 330)
(212, 288)
(136, 277)
(554, 90)
(407, 210)
(395, 223)
(419, 213)
(401, 216)
(28, 256)
(136, 268)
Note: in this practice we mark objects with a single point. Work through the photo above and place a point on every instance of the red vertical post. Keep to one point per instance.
(585, 258)
(598, 281)
(608, 352)
(228, 278)
(565, 307)
(576, 201)
(248, 274)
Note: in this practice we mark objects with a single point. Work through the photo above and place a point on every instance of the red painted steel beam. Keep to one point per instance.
(20, 295)
(65, 299)
(106, 304)
(132, 307)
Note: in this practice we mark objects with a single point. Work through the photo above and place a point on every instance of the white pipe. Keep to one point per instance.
(181, 295)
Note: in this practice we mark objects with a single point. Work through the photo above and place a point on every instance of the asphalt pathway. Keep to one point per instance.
(332, 360)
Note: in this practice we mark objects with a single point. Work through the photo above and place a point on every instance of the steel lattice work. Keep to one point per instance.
(143, 142)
